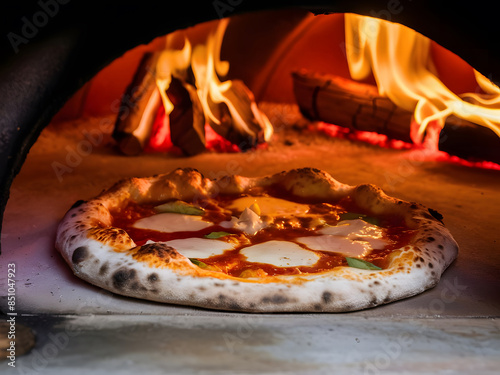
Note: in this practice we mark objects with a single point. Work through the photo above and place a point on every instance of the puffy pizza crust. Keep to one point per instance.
(107, 257)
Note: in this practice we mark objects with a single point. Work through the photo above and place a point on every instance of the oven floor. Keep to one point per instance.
(454, 326)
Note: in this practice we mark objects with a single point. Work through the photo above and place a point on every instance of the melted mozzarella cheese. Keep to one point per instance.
(336, 244)
(249, 222)
(353, 227)
(352, 238)
(172, 222)
(270, 206)
(280, 254)
(199, 247)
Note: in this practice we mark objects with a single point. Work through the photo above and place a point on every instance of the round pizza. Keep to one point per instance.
(296, 241)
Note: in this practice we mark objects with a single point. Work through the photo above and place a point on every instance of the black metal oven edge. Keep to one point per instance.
(50, 48)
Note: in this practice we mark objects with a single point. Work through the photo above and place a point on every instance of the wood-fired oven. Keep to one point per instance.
(66, 69)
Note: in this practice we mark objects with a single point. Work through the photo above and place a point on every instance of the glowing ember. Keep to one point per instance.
(373, 138)
(382, 140)
(399, 59)
(159, 140)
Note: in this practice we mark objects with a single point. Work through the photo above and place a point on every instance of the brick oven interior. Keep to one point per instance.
(452, 327)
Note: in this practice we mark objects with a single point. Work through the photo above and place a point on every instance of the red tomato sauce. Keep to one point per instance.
(234, 263)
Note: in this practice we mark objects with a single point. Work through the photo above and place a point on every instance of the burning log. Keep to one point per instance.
(243, 124)
(138, 108)
(187, 121)
(359, 106)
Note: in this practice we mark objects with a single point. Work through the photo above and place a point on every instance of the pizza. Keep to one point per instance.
(296, 241)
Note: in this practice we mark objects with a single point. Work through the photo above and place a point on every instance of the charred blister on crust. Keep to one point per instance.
(111, 236)
(124, 278)
(80, 254)
(436, 215)
(153, 278)
(277, 299)
(327, 297)
(156, 254)
(225, 302)
(78, 203)
(375, 283)
(104, 269)
(157, 250)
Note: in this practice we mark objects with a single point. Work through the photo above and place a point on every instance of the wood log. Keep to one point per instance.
(187, 121)
(248, 127)
(359, 106)
(138, 108)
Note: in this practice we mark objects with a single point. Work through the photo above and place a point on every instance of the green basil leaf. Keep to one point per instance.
(180, 207)
(360, 263)
(198, 263)
(217, 235)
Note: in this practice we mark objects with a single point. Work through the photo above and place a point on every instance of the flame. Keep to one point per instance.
(207, 68)
(171, 63)
(399, 59)
(206, 65)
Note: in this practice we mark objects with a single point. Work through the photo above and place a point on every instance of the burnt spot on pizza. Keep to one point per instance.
(277, 299)
(78, 203)
(431, 265)
(104, 269)
(124, 278)
(431, 239)
(153, 277)
(318, 307)
(375, 283)
(436, 214)
(80, 254)
(234, 306)
(156, 252)
(373, 299)
(327, 297)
